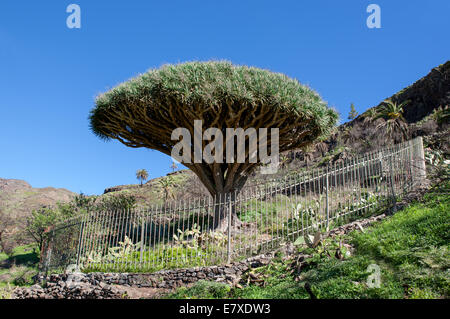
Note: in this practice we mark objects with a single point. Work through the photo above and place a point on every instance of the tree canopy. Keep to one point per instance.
(144, 111)
(394, 123)
(142, 175)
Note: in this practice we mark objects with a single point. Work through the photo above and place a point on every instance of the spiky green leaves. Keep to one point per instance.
(206, 88)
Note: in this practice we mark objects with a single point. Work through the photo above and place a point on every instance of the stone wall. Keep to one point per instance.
(102, 285)
(68, 290)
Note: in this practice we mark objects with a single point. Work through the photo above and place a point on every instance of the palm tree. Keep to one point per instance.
(370, 116)
(283, 160)
(142, 175)
(166, 188)
(346, 136)
(173, 166)
(394, 122)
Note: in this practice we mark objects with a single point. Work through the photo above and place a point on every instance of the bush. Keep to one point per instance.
(121, 202)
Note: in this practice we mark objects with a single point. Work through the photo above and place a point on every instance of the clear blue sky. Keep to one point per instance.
(50, 74)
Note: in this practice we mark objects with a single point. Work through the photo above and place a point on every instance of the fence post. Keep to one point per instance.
(327, 207)
(420, 155)
(391, 173)
(411, 165)
(380, 180)
(79, 242)
(230, 211)
(142, 238)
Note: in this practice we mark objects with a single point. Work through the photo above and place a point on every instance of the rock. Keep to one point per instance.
(229, 271)
(99, 285)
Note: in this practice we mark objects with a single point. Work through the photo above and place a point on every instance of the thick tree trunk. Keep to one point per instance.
(224, 182)
(222, 212)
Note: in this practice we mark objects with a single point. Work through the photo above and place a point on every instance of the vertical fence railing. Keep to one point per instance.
(207, 231)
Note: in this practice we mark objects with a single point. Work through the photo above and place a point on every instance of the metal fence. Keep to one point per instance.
(207, 231)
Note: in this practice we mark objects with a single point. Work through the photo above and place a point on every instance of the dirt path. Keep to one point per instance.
(142, 292)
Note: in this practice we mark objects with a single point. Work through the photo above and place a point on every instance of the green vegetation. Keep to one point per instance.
(150, 193)
(440, 115)
(115, 202)
(18, 268)
(352, 114)
(6, 221)
(42, 220)
(201, 249)
(155, 260)
(203, 289)
(394, 122)
(370, 115)
(411, 248)
(167, 185)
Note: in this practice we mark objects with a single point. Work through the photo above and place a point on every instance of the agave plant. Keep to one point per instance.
(394, 122)
(370, 116)
(167, 184)
(314, 220)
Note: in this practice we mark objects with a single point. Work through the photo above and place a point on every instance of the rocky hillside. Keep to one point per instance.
(426, 113)
(426, 94)
(18, 199)
(182, 184)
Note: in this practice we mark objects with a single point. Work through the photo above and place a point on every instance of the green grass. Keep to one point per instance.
(18, 268)
(158, 259)
(3, 256)
(203, 289)
(411, 248)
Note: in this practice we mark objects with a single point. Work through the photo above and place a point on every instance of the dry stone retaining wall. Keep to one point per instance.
(102, 285)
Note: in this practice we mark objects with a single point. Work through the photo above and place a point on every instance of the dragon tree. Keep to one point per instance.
(144, 111)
